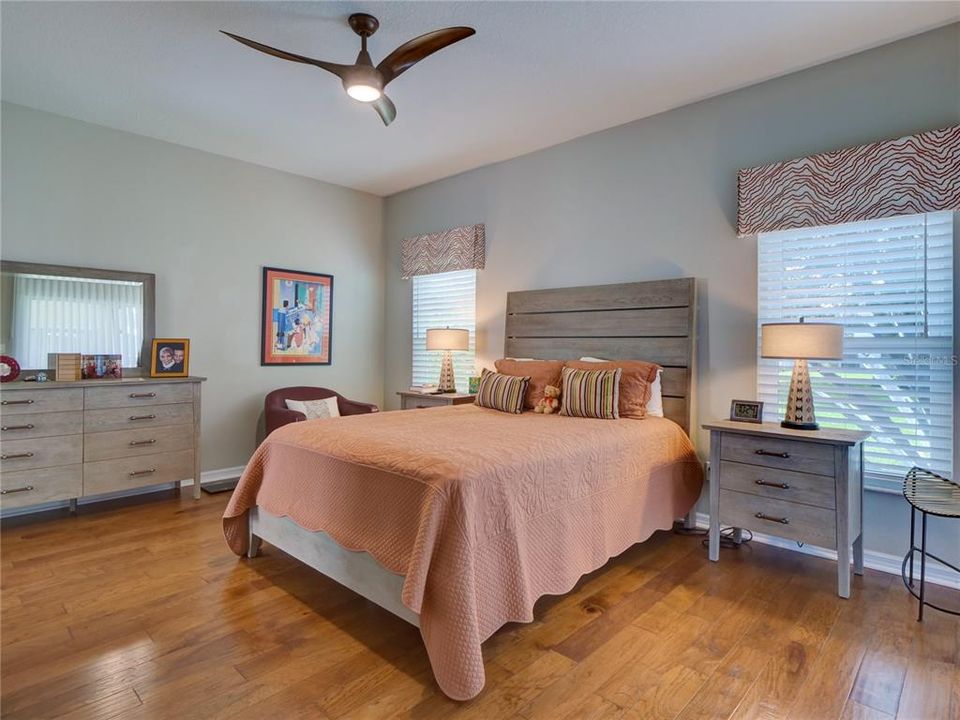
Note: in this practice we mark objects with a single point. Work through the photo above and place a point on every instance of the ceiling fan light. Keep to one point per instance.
(363, 93)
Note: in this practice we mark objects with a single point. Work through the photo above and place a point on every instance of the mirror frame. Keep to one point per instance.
(149, 281)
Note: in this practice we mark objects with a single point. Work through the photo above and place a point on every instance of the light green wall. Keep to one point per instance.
(657, 198)
(80, 194)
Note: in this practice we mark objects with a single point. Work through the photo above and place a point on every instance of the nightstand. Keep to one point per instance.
(413, 400)
(803, 485)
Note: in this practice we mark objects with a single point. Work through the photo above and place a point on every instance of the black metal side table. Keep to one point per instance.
(931, 495)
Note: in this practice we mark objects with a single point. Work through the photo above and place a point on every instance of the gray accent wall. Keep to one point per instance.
(656, 198)
(81, 194)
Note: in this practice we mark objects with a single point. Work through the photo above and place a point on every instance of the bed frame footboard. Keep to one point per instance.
(356, 570)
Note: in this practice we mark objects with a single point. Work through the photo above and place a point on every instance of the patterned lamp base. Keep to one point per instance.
(447, 383)
(799, 414)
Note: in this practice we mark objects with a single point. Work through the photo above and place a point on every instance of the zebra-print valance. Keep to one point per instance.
(913, 174)
(461, 248)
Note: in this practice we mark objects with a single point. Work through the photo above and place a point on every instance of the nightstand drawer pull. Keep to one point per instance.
(136, 443)
(142, 472)
(782, 520)
(28, 426)
(767, 483)
(143, 417)
(25, 488)
(13, 456)
(773, 454)
(16, 402)
(143, 395)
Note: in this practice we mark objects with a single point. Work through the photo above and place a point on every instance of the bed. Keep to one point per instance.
(457, 519)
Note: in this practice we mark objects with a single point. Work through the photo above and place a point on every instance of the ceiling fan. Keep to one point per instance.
(362, 80)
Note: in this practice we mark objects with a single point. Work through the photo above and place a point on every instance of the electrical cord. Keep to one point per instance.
(726, 535)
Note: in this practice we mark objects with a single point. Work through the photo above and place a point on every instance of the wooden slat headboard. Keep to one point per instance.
(654, 321)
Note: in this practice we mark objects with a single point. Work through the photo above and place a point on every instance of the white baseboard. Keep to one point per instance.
(882, 562)
(205, 477)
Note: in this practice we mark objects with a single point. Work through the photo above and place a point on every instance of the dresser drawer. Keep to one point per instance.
(778, 484)
(133, 443)
(131, 418)
(41, 452)
(22, 488)
(37, 425)
(136, 395)
(124, 473)
(18, 402)
(804, 523)
(797, 455)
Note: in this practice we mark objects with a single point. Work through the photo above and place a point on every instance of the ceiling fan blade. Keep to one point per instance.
(385, 109)
(335, 68)
(413, 51)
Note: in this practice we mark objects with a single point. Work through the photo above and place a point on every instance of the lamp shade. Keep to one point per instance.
(448, 339)
(801, 341)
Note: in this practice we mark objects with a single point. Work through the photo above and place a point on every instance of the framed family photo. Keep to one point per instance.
(170, 357)
(296, 322)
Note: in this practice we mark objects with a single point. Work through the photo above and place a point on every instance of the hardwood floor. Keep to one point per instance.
(139, 610)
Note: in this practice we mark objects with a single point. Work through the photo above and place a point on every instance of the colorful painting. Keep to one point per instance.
(297, 318)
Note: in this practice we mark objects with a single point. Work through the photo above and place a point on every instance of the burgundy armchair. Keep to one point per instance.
(277, 415)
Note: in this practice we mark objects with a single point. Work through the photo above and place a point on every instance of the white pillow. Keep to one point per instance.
(315, 409)
(655, 403)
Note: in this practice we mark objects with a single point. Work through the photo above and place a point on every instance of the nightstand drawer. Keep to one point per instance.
(795, 521)
(778, 484)
(797, 455)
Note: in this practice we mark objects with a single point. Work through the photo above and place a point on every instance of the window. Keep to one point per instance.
(444, 300)
(890, 284)
(65, 314)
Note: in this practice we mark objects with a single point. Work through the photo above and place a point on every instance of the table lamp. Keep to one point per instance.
(447, 340)
(801, 342)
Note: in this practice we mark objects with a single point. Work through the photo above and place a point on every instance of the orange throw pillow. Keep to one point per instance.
(635, 382)
(540, 372)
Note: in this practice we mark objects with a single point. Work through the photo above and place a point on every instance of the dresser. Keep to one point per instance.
(802, 485)
(410, 400)
(63, 441)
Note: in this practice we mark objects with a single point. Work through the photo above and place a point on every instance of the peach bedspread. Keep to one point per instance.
(482, 512)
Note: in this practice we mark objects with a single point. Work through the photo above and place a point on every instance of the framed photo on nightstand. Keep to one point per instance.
(750, 411)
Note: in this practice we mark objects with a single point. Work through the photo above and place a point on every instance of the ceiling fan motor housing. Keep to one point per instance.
(363, 25)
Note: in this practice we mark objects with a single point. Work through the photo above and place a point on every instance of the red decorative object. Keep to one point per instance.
(910, 175)
(9, 369)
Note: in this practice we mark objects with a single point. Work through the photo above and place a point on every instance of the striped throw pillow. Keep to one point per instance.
(502, 392)
(590, 393)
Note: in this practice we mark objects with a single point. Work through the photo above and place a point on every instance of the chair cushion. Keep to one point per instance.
(315, 409)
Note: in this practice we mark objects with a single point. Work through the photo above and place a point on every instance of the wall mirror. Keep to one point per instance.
(57, 308)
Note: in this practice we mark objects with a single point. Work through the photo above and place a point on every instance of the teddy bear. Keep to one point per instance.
(550, 402)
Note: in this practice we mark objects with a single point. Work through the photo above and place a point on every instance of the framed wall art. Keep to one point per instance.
(297, 318)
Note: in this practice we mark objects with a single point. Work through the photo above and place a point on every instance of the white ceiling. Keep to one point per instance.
(534, 75)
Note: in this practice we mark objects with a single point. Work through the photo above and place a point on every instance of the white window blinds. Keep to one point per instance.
(64, 314)
(889, 282)
(444, 300)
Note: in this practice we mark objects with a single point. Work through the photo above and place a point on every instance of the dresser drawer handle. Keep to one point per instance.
(782, 521)
(135, 443)
(13, 456)
(767, 483)
(142, 472)
(143, 417)
(142, 395)
(772, 454)
(28, 426)
(25, 488)
(16, 402)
